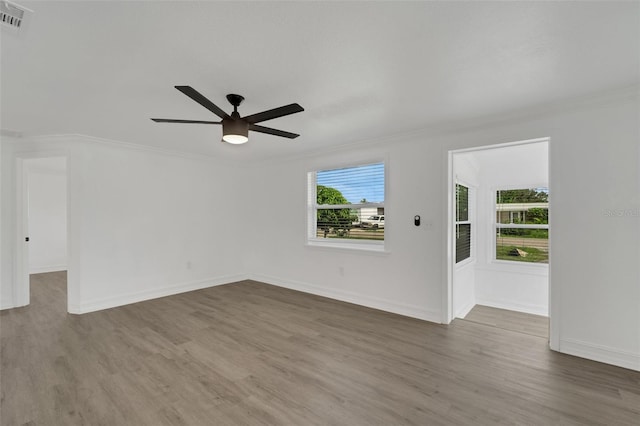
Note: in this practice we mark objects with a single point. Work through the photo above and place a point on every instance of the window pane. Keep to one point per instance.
(462, 203)
(523, 206)
(522, 245)
(345, 223)
(463, 242)
(352, 185)
(463, 231)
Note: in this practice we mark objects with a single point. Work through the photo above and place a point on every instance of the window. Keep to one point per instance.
(522, 225)
(346, 206)
(463, 224)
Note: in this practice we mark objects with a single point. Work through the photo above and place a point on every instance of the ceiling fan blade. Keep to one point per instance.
(270, 131)
(171, 120)
(199, 98)
(274, 113)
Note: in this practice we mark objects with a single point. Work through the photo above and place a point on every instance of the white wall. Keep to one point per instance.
(47, 183)
(594, 165)
(7, 224)
(143, 223)
(406, 279)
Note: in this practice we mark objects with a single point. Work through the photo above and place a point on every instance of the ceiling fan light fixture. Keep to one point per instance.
(235, 129)
(235, 132)
(235, 139)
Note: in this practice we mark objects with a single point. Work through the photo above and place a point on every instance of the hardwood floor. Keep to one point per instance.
(510, 320)
(249, 353)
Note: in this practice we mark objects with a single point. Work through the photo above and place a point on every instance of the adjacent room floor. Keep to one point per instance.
(251, 353)
(535, 325)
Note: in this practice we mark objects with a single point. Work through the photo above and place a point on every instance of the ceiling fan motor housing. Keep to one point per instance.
(235, 100)
(234, 125)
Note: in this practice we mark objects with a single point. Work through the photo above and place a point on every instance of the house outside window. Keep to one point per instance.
(346, 206)
(522, 225)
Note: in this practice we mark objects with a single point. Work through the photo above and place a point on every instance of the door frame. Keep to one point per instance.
(21, 285)
(447, 293)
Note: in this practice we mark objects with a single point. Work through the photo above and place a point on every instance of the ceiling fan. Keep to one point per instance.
(235, 129)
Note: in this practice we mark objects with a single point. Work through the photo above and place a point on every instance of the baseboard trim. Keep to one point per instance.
(141, 296)
(465, 311)
(45, 269)
(519, 307)
(350, 297)
(4, 306)
(600, 353)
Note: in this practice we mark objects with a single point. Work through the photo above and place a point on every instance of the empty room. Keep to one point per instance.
(319, 213)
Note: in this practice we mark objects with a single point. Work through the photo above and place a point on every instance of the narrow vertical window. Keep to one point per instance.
(463, 224)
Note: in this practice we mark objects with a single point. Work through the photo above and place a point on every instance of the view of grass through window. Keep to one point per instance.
(522, 225)
(350, 203)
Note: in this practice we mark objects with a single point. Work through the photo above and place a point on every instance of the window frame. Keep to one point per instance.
(312, 240)
(471, 201)
(495, 226)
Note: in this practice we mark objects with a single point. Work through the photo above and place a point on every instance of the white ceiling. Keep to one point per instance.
(361, 70)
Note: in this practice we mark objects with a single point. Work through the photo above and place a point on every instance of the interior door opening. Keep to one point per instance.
(42, 227)
(498, 271)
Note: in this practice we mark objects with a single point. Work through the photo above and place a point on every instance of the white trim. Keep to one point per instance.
(347, 206)
(555, 293)
(465, 262)
(47, 268)
(21, 285)
(84, 139)
(449, 259)
(500, 146)
(525, 268)
(367, 246)
(600, 353)
(413, 311)
(141, 296)
(521, 226)
(464, 311)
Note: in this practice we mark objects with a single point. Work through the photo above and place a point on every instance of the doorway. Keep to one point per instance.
(42, 225)
(498, 231)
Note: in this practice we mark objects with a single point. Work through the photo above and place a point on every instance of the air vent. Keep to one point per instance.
(13, 16)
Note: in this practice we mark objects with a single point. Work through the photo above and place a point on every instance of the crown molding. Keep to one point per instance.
(87, 139)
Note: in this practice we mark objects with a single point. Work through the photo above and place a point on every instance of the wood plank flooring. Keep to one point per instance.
(251, 354)
(510, 320)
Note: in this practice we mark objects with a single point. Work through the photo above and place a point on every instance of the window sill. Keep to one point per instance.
(367, 248)
(466, 262)
(518, 267)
